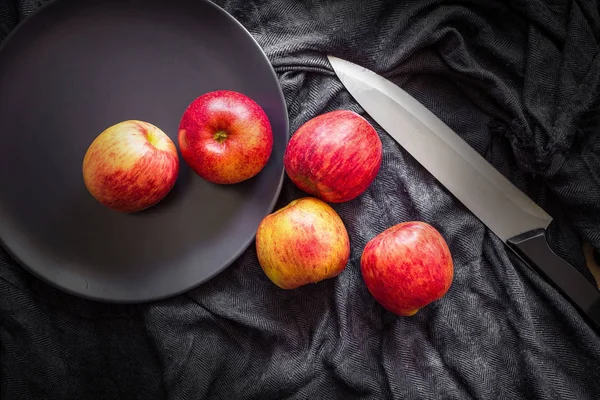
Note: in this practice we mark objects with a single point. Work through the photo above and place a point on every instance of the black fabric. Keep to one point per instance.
(519, 80)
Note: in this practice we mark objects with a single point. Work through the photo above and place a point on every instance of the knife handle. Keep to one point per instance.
(534, 248)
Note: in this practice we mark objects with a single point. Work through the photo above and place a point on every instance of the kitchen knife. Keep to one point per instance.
(500, 205)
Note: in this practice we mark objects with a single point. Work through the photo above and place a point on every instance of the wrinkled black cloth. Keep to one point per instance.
(519, 80)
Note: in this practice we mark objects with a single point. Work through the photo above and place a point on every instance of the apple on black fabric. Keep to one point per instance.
(303, 242)
(334, 156)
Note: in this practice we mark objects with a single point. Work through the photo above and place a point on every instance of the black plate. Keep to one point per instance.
(76, 67)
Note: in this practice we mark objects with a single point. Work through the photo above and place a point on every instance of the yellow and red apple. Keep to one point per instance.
(301, 243)
(334, 156)
(130, 166)
(407, 267)
(225, 137)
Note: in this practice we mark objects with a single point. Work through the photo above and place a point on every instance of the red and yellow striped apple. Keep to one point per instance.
(407, 266)
(130, 166)
(301, 243)
(225, 137)
(334, 156)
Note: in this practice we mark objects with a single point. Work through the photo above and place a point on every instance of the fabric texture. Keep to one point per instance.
(518, 80)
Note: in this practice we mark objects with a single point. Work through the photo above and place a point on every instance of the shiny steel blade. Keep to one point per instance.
(499, 204)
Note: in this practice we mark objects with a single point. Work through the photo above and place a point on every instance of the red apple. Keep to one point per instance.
(407, 266)
(225, 137)
(130, 166)
(334, 156)
(303, 242)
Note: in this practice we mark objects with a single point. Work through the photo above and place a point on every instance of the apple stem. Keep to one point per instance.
(220, 136)
(152, 138)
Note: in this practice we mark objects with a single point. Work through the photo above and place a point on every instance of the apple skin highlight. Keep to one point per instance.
(225, 137)
(130, 166)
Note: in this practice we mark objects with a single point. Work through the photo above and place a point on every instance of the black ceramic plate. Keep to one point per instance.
(77, 67)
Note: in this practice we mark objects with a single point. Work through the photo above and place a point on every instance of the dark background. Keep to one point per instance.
(519, 80)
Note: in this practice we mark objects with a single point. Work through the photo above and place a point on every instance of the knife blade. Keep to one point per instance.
(510, 214)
